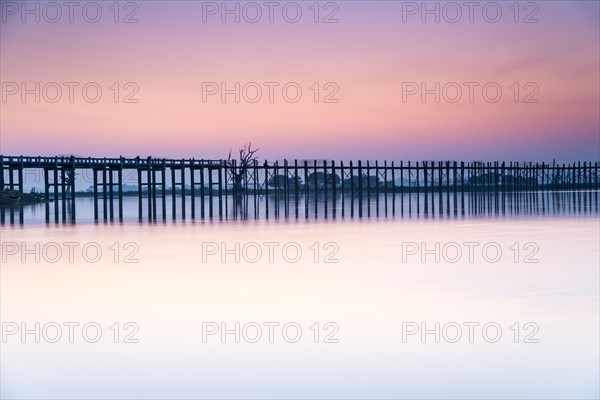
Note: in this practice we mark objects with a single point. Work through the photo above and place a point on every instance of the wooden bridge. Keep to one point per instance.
(295, 183)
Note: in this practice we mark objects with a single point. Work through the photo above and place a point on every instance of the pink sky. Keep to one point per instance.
(368, 54)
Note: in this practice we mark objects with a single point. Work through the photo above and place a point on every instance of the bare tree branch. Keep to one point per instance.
(238, 169)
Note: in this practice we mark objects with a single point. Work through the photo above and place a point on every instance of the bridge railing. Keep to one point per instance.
(90, 162)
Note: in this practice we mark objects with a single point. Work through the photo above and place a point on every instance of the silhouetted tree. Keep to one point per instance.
(238, 168)
(283, 181)
(364, 180)
(323, 180)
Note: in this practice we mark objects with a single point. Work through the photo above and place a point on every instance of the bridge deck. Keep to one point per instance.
(90, 162)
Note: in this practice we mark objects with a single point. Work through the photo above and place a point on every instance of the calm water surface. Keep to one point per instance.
(372, 280)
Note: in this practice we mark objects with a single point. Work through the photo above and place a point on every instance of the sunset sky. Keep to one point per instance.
(368, 57)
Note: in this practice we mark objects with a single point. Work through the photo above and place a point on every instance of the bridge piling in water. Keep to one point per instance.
(330, 188)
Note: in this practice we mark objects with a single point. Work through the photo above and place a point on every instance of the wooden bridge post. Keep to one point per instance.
(55, 186)
(454, 184)
(210, 191)
(343, 197)
(487, 188)
(147, 171)
(20, 177)
(409, 189)
(385, 186)
(497, 183)
(402, 188)
(73, 207)
(316, 188)
(431, 186)
(202, 190)
(193, 189)
(513, 180)
(247, 175)
(426, 175)
(325, 186)
(140, 208)
(163, 189)
(120, 187)
(241, 196)
(276, 190)
(152, 192)
(368, 189)
(255, 188)
(440, 192)
(352, 189)
(515, 173)
(173, 194)
(286, 194)
(182, 189)
(47, 194)
(596, 187)
(474, 181)
(529, 175)
(220, 177)
(95, 183)
(20, 186)
(242, 191)
(418, 188)
(120, 190)
(360, 189)
(110, 192)
(589, 175)
(150, 180)
(266, 185)
(231, 170)
(472, 176)
(393, 190)
(462, 187)
(306, 194)
(426, 205)
(377, 174)
(514, 186)
(63, 194)
(296, 188)
(104, 192)
(586, 175)
(439, 189)
(271, 179)
(334, 194)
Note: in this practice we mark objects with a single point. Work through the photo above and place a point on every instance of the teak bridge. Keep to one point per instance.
(194, 184)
